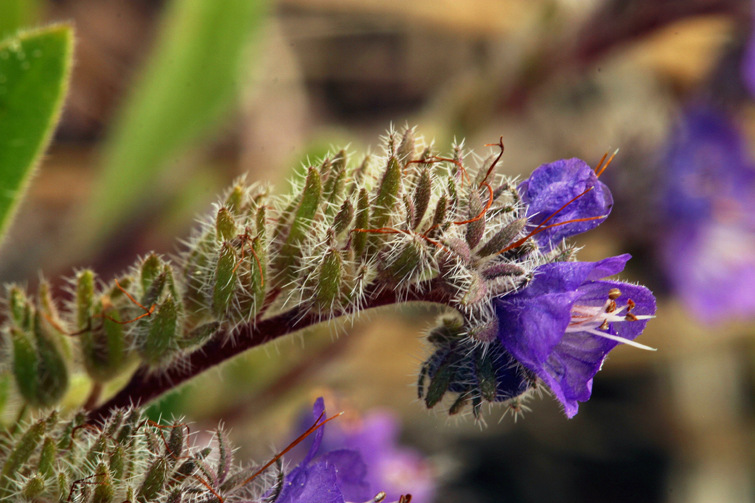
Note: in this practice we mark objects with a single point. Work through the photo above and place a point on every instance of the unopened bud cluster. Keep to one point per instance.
(128, 458)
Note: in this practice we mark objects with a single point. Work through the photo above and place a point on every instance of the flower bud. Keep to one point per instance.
(329, 282)
(422, 193)
(33, 487)
(343, 218)
(104, 348)
(225, 225)
(154, 481)
(405, 150)
(441, 380)
(19, 308)
(25, 447)
(224, 282)
(476, 227)
(196, 271)
(334, 184)
(150, 270)
(198, 336)
(289, 254)
(46, 463)
(406, 265)
(384, 202)
(439, 217)
(502, 238)
(359, 239)
(103, 490)
(235, 200)
(159, 334)
(175, 444)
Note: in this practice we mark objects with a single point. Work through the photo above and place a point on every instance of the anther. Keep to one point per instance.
(614, 293)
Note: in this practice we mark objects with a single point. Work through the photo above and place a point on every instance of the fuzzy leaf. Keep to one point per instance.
(34, 70)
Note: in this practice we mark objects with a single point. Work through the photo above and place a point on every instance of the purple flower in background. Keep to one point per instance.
(564, 323)
(709, 239)
(391, 468)
(551, 186)
(337, 476)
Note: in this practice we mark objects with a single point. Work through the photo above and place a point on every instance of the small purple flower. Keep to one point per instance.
(335, 477)
(551, 186)
(394, 469)
(708, 245)
(564, 323)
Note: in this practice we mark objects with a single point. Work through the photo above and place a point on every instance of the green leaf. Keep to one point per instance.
(15, 14)
(187, 87)
(34, 70)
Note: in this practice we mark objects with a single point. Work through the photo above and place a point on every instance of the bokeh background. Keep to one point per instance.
(554, 78)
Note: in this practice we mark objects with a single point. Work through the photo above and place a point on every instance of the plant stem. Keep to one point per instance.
(146, 385)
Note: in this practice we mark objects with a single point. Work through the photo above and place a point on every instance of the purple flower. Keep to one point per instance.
(334, 477)
(553, 185)
(394, 469)
(562, 326)
(708, 245)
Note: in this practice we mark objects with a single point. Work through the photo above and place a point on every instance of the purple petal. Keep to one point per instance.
(351, 473)
(534, 322)
(531, 327)
(318, 482)
(553, 185)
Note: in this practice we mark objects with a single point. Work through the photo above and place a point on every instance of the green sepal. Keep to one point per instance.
(175, 444)
(406, 265)
(154, 481)
(343, 218)
(224, 281)
(104, 348)
(104, 492)
(290, 252)
(502, 238)
(439, 217)
(405, 150)
(475, 228)
(25, 363)
(385, 201)
(161, 336)
(199, 335)
(336, 180)
(362, 221)
(235, 200)
(151, 268)
(329, 282)
(46, 463)
(19, 308)
(34, 486)
(52, 371)
(196, 271)
(225, 225)
(25, 447)
(441, 381)
(422, 193)
(486, 376)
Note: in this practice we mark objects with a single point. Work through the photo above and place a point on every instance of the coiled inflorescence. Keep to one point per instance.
(408, 226)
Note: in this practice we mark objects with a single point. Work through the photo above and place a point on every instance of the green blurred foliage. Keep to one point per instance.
(187, 88)
(34, 71)
(15, 14)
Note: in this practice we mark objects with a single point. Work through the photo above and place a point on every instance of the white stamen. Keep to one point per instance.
(590, 318)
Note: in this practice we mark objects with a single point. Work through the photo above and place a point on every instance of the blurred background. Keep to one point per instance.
(170, 102)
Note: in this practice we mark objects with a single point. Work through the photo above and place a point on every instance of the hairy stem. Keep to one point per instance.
(146, 386)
